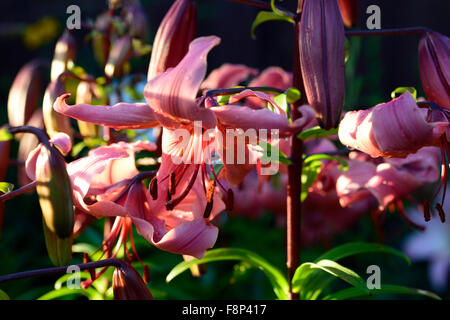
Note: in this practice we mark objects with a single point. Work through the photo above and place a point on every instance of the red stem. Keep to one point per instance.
(19, 191)
(294, 188)
(61, 270)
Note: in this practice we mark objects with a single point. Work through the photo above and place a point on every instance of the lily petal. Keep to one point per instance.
(228, 75)
(172, 94)
(118, 116)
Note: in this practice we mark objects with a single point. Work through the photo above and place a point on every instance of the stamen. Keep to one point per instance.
(209, 199)
(146, 275)
(229, 201)
(172, 185)
(426, 210)
(441, 212)
(154, 188)
(171, 204)
(407, 219)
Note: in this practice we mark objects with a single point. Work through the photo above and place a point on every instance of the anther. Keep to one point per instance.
(426, 210)
(154, 188)
(441, 212)
(172, 184)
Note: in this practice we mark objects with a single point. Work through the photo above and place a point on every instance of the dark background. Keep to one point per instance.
(375, 68)
(386, 63)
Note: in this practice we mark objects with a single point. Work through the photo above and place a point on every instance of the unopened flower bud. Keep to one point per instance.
(84, 96)
(120, 53)
(349, 11)
(27, 143)
(25, 93)
(64, 56)
(434, 67)
(174, 35)
(322, 59)
(128, 284)
(55, 121)
(59, 249)
(55, 192)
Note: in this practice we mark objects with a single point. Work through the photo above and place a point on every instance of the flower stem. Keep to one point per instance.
(41, 135)
(19, 191)
(388, 32)
(294, 187)
(112, 262)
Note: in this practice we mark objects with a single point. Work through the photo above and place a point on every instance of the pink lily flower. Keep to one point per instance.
(172, 96)
(227, 76)
(104, 186)
(393, 129)
(387, 182)
(273, 77)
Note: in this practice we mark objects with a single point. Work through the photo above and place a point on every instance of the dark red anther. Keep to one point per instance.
(154, 188)
(172, 184)
(146, 275)
(441, 212)
(229, 202)
(426, 210)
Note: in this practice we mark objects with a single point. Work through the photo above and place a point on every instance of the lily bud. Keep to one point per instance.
(28, 143)
(84, 96)
(55, 192)
(59, 249)
(434, 67)
(128, 285)
(173, 37)
(25, 93)
(55, 121)
(120, 52)
(322, 59)
(64, 55)
(349, 11)
(100, 40)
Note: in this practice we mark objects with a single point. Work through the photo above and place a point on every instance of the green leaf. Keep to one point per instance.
(335, 269)
(323, 156)
(5, 135)
(276, 277)
(401, 90)
(281, 101)
(265, 16)
(316, 132)
(314, 286)
(350, 249)
(269, 151)
(309, 175)
(6, 187)
(351, 293)
(3, 295)
(90, 293)
(293, 95)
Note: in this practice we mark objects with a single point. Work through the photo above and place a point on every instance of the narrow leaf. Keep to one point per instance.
(5, 135)
(331, 267)
(265, 16)
(6, 187)
(278, 280)
(350, 249)
(401, 90)
(316, 132)
(351, 293)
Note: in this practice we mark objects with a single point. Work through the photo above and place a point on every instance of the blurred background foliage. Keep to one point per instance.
(29, 29)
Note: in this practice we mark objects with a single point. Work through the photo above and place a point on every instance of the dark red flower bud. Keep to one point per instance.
(174, 35)
(322, 59)
(434, 67)
(25, 93)
(128, 284)
(349, 11)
